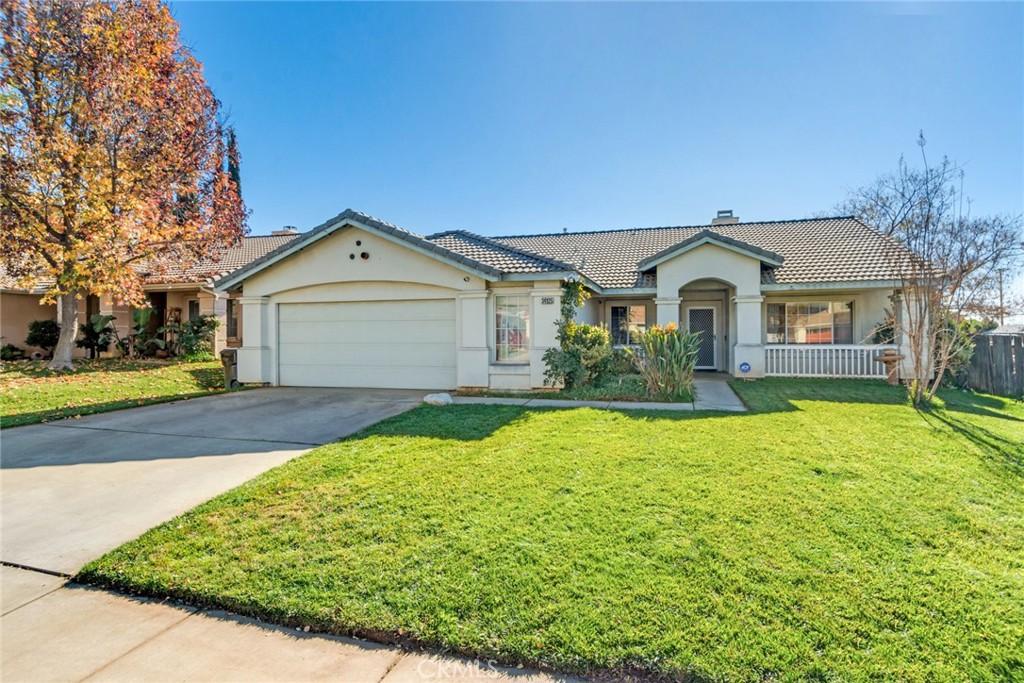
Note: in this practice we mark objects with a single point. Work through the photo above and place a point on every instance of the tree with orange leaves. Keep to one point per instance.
(111, 152)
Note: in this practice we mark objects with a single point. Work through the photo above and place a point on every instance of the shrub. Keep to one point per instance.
(885, 329)
(962, 348)
(97, 334)
(665, 359)
(139, 342)
(193, 339)
(11, 352)
(44, 334)
(583, 358)
(584, 352)
(621, 362)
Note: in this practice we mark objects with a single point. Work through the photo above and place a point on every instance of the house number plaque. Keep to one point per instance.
(547, 299)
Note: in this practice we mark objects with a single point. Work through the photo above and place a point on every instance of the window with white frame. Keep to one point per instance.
(232, 315)
(511, 328)
(627, 322)
(810, 322)
(193, 309)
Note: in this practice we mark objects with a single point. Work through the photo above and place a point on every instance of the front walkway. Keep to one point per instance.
(712, 392)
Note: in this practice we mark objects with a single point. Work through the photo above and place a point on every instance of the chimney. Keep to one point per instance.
(286, 230)
(725, 217)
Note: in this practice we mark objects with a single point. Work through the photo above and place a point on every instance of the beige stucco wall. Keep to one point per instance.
(709, 261)
(16, 312)
(332, 269)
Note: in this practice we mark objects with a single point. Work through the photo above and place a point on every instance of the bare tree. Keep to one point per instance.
(951, 271)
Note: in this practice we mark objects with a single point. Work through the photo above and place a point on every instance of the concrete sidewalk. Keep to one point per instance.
(55, 632)
(711, 393)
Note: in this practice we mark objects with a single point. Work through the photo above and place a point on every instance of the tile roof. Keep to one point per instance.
(500, 256)
(840, 249)
(219, 264)
(222, 262)
(10, 284)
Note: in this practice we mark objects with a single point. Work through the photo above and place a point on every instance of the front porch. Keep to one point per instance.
(827, 333)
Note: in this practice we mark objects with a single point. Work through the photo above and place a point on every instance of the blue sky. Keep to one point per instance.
(510, 118)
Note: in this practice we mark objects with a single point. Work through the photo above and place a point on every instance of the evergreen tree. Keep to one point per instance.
(233, 160)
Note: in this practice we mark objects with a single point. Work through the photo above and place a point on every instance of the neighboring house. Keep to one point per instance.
(360, 302)
(174, 293)
(18, 307)
(1007, 328)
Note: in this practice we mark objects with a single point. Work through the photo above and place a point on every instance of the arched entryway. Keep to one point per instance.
(705, 308)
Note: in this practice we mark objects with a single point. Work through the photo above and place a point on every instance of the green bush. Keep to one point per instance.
(193, 339)
(196, 340)
(11, 352)
(963, 333)
(583, 358)
(139, 342)
(97, 334)
(44, 334)
(584, 352)
(621, 362)
(885, 329)
(665, 359)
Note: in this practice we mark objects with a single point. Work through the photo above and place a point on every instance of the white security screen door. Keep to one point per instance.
(702, 319)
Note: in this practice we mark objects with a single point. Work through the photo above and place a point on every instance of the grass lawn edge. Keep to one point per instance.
(84, 411)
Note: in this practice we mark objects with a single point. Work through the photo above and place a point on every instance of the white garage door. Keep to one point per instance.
(381, 344)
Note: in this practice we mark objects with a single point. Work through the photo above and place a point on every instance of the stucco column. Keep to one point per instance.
(473, 355)
(254, 362)
(668, 310)
(216, 305)
(545, 311)
(748, 352)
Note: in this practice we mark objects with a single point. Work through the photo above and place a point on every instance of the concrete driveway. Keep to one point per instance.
(74, 489)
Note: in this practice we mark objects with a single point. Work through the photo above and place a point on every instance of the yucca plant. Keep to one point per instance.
(665, 359)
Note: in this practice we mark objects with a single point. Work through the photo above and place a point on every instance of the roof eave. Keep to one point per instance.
(831, 284)
(554, 275)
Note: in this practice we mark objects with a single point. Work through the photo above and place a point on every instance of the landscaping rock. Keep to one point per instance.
(438, 399)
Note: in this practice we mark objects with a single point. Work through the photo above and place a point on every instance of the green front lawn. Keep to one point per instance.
(30, 393)
(834, 533)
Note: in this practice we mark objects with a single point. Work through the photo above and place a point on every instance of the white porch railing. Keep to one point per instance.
(827, 360)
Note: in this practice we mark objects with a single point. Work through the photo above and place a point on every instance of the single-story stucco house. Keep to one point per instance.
(173, 292)
(358, 302)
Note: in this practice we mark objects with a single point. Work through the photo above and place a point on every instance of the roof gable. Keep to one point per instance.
(386, 230)
(708, 237)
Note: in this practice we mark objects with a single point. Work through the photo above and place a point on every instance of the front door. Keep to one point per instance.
(701, 319)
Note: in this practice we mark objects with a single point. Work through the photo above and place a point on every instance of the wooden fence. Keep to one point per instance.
(997, 366)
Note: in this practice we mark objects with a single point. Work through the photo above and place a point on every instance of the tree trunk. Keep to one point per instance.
(68, 306)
